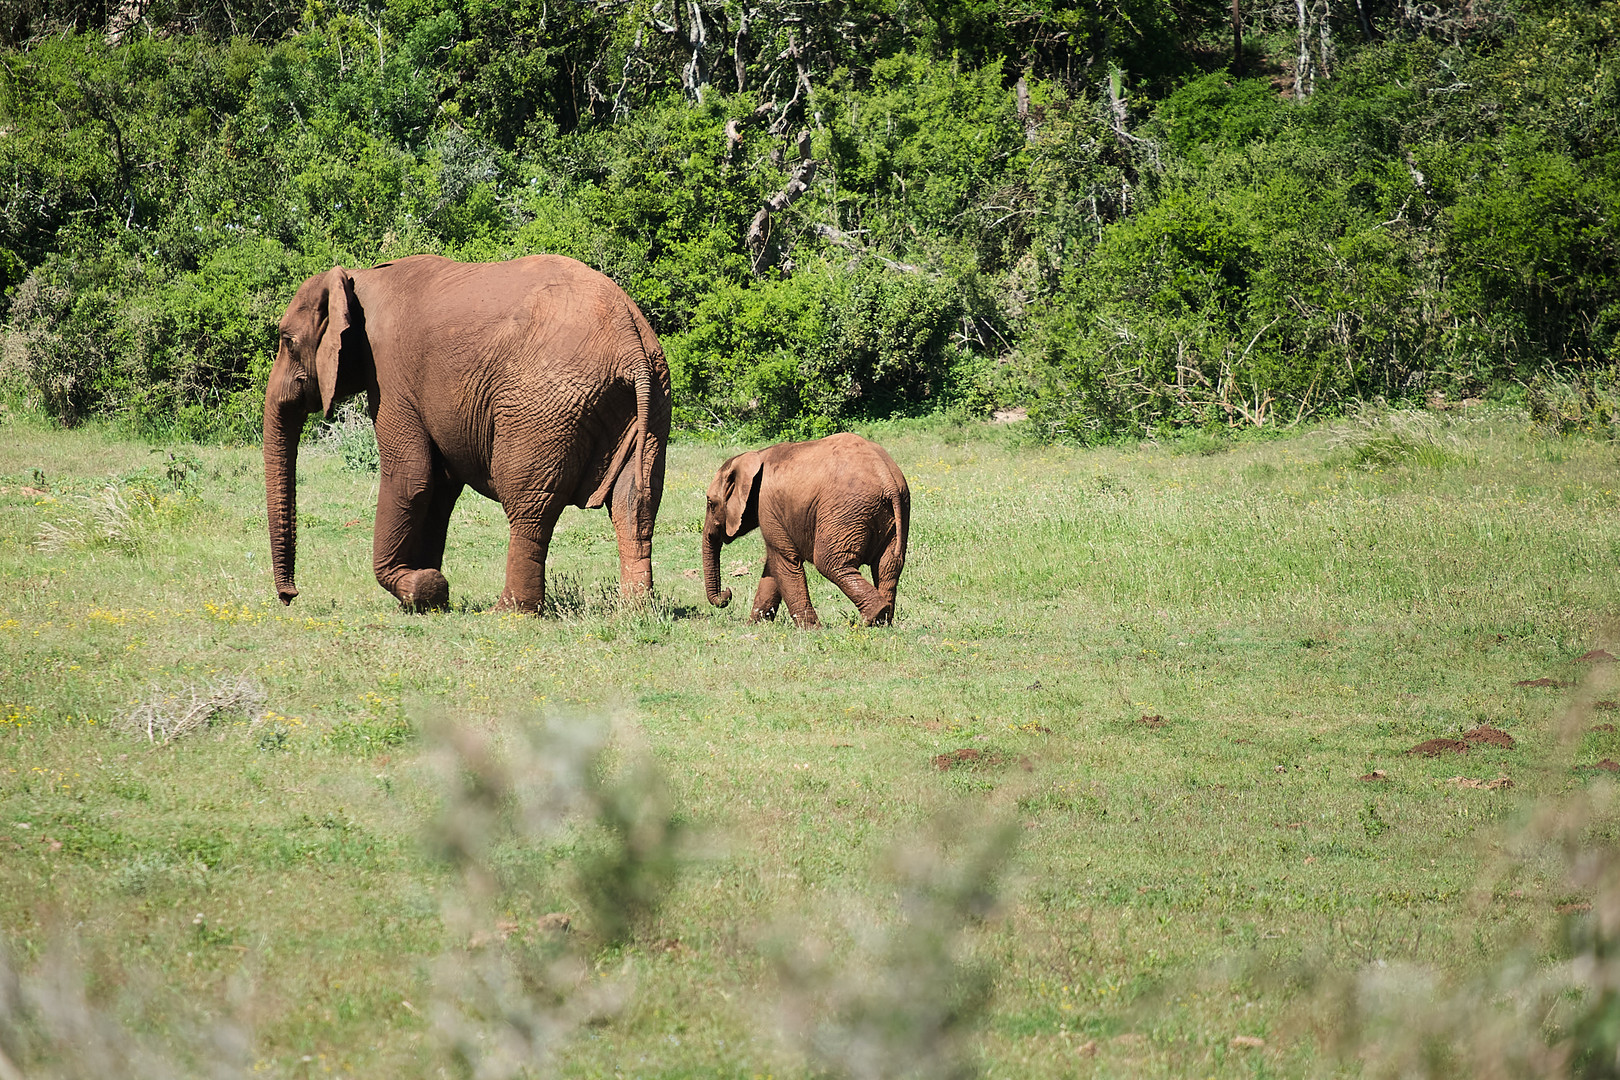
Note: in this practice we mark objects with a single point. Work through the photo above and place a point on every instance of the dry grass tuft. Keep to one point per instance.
(169, 715)
(1376, 437)
(103, 518)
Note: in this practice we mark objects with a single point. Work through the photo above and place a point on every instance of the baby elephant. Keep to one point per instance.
(836, 503)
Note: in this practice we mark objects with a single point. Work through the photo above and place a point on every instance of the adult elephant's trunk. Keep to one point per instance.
(283, 424)
(711, 570)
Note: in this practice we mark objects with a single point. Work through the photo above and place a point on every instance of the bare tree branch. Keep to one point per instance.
(759, 230)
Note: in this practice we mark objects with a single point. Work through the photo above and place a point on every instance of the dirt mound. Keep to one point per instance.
(1544, 682)
(1606, 706)
(1376, 774)
(1606, 765)
(1488, 735)
(1152, 721)
(967, 756)
(1436, 747)
(1604, 727)
(1597, 656)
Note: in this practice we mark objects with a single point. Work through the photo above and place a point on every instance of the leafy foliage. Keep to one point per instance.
(1107, 217)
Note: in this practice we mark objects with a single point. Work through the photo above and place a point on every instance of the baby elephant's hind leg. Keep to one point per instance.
(875, 607)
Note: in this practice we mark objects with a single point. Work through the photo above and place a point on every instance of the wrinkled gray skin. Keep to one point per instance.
(535, 382)
(837, 503)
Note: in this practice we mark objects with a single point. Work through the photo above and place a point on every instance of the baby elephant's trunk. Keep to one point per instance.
(711, 571)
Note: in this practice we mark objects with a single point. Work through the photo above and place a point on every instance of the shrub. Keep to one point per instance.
(802, 355)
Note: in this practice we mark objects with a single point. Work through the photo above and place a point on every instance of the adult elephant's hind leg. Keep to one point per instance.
(634, 536)
(526, 554)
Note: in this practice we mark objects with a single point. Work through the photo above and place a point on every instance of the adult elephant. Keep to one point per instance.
(536, 382)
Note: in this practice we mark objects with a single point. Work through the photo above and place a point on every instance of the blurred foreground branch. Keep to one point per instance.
(509, 996)
(905, 1003)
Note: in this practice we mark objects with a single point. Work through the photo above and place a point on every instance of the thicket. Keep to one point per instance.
(1118, 216)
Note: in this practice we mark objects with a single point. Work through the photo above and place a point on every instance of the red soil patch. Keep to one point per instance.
(1151, 721)
(1603, 727)
(1543, 682)
(1574, 908)
(970, 758)
(1597, 656)
(1489, 736)
(1606, 706)
(1376, 774)
(1607, 765)
(1436, 747)
(952, 758)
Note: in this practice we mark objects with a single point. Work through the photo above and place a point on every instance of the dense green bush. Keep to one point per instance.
(1032, 205)
(803, 355)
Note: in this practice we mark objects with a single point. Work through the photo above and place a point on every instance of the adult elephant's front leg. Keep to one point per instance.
(526, 555)
(405, 503)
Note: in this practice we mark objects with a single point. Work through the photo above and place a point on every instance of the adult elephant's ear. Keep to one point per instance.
(740, 488)
(339, 288)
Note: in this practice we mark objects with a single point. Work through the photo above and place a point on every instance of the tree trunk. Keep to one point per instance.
(1302, 68)
(1237, 38)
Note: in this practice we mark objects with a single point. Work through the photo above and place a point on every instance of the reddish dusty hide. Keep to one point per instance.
(535, 382)
(837, 503)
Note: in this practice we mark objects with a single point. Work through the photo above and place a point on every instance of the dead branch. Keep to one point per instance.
(759, 230)
(801, 84)
(695, 75)
(735, 125)
(849, 243)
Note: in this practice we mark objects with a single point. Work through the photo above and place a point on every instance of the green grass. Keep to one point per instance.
(1298, 613)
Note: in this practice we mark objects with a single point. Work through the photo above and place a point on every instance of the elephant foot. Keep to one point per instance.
(424, 590)
(883, 616)
(513, 605)
(807, 621)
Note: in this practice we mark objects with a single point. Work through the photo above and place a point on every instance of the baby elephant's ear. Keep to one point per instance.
(740, 488)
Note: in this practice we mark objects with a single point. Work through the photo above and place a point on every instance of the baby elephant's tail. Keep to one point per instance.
(893, 559)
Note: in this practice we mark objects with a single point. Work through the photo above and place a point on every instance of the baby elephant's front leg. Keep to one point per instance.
(767, 599)
(789, 575)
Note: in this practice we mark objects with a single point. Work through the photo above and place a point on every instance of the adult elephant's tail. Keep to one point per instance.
(635, 479)
(653, 413)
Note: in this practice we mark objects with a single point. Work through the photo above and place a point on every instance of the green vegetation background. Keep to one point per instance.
(1099, 212)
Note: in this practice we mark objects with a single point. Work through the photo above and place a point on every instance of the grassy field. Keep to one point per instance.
(1177, 665)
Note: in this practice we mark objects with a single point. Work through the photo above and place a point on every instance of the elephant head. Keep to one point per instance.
(319, 360)
(731, 495)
